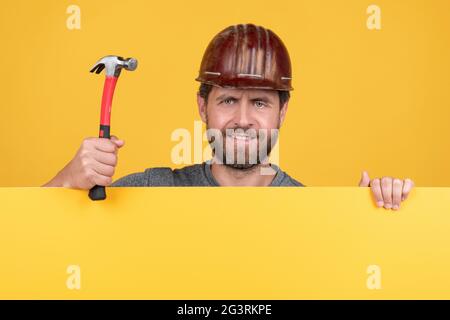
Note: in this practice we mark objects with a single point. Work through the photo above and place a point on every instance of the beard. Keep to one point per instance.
(241, 148)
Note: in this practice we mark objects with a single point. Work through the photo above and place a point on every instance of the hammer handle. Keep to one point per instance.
(98, 192)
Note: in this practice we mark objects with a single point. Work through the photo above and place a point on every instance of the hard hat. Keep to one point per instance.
(246, 56)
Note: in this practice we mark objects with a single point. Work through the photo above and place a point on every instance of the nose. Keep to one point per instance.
(243, 117)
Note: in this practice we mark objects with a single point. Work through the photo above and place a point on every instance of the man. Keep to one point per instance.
(243, 98)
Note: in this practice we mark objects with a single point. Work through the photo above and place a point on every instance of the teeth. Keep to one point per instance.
(240, 136)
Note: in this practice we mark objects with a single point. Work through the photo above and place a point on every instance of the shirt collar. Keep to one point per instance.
(279, 175)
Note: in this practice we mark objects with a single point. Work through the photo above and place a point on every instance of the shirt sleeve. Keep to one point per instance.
(138, 179)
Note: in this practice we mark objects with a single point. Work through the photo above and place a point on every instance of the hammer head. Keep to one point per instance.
(114, 64)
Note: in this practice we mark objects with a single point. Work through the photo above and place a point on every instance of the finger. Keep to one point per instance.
(103, 169)
(118, 142)
(376, 190)
(102, 180)
(407, 187)
(105, 158)
(365, 180)
(105, 145)
(98, 179)
(397, 189)
(386, 190)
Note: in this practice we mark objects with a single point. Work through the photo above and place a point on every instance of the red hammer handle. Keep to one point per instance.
(105, 115)
(98, 192)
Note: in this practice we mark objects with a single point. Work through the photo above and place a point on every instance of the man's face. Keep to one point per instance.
(247, 121)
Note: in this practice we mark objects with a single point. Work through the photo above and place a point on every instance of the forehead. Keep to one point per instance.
(218, 91)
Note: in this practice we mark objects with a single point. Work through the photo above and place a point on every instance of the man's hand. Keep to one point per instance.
(93, 164)
(389, 192)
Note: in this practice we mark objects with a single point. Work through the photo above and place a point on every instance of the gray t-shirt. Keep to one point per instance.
(196, 175)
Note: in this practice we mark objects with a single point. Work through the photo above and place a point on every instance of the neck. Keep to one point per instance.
(254, 176)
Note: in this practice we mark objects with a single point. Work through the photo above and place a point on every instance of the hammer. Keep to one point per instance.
(112, 65)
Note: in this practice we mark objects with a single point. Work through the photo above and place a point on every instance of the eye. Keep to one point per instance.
(231, 100)
(260, 104)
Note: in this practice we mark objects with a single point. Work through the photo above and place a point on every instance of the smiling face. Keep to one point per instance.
(242, 124)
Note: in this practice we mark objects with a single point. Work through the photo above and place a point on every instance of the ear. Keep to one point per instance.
(283, 111)
(201, 107)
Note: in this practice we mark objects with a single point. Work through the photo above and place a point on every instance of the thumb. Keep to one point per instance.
(119, 143)
(365, 180)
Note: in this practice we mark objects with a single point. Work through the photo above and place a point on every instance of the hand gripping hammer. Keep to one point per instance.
(112, 65)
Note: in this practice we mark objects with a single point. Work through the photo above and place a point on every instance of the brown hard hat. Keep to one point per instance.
(246, 56)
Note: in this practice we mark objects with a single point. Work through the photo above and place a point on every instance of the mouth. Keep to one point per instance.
(241, 136)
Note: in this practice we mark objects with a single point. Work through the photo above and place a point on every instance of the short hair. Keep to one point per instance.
(205, 89)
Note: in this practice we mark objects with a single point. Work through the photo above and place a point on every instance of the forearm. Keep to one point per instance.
(60, 180)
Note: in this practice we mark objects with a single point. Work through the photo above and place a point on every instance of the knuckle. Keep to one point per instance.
(397, 182)
(385, 181)
(84, 153)
(84, 162)
(89, 175)
(86, 142)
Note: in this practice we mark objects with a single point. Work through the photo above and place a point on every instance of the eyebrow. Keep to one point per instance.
(228, 96)
(225, 96)
(263, 99)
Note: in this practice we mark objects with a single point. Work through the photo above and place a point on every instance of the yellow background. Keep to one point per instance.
(375, 100)
(268, 243)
